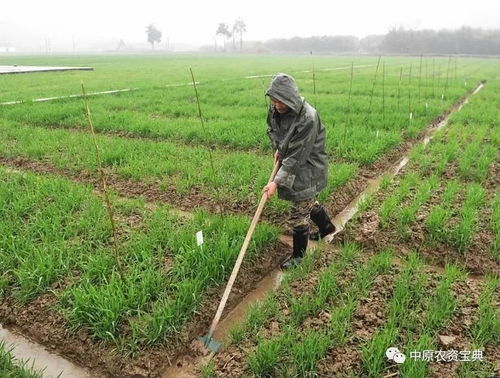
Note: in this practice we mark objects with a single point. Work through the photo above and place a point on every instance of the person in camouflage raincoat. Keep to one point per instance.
(298, 139)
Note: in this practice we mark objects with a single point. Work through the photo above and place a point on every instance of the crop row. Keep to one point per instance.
(58, 236)
(277, 336)
(384, 109)
(150, 71)
(173, 169)
(146, 72)
(449, 188)
(273, 341)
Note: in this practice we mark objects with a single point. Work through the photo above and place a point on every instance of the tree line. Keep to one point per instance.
(465, 40)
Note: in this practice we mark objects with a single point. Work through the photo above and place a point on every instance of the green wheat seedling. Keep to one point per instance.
(450, 193)
(255, 318)
(449, 154)
(436, 220)
(484, 330)
(304, 355)
(495, 225)
(388, 208)
(348, 119)
(48, 223)
(317, 299)
(152, 302)
(264, 360)
(442, 303)
(461, 234)
(417, 367)
(408, 214)
(407, 294)
(208, 370)
(365, 204)
(326, 287)
(486, 158)
(12, 367)
(373, 353)
(363, 280)
(262, 311)
(340, 321)
(487, 326)
(307, 351)
(438, 308)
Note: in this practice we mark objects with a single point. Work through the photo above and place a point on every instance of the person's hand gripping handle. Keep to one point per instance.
(271, 186)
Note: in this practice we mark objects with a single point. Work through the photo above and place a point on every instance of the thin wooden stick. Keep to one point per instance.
(426, 87)
(383, 93)
(314, 79)
(348, 120)
(447, 77)
(419, 80)
(409, 96)
(239, 260)
(433, 78)
(373, 86)
(214, 178)
(103, 181)
(399, 85)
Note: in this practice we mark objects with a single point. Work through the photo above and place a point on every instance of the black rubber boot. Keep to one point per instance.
(325, 225)
(300, 239)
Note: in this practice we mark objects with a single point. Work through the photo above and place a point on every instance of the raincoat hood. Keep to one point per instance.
(284, 89)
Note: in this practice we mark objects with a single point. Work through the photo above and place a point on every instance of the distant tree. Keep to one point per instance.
(121, 45)
(240, 28)
(154, 35)
(223, 29)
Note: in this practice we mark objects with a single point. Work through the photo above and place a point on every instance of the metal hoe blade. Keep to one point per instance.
(210, 343)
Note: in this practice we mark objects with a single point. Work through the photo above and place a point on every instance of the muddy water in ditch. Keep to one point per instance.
(51, 364)
(271, 282)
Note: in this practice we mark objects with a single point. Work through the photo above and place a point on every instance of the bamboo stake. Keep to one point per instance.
(455, 76)
(447, 76)
(426, 91)
(314, 79)
(409, 96)
(439, 78)
(373, 86)
(109, 206)
(383, 93)
(348, 120)
(433, 78)
(419, 80)
(214, 178)
(265, 90)
(399, 86)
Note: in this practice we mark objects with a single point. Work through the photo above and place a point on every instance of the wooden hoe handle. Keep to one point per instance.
(241, 255)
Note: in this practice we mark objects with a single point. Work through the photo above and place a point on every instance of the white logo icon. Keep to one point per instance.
(393, 354)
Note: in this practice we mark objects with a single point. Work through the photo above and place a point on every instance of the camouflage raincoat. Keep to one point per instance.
(299, 138)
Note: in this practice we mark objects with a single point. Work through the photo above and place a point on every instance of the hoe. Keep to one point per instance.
(207, 340)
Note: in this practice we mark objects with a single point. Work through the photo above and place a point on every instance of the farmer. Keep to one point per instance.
(298, 137)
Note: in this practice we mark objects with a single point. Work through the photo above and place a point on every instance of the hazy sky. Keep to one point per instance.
(196, 21)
